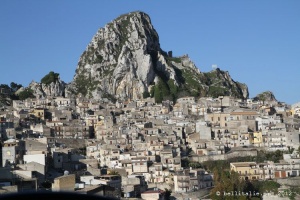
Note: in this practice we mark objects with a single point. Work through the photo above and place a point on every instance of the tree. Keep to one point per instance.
(167, 194)
(161, 91)
(173, 89)
(227, 185)
(14, 86)
(49, 78)
(4, 86)
(27, 93)
(195, 165)
(152, 91)
(146, 94)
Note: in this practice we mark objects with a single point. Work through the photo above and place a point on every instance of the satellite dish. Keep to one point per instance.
(66, 173)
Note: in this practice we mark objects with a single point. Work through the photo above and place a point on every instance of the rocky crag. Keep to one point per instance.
(267, 96)
(53, 89)
(124, 61)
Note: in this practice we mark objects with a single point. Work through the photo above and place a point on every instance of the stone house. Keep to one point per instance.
(127, 165)
(65, 183)
(8, 133)
(186, 100)
(182, 181)
(12, 152)
(139, 165)
(38, 170)
(198, 109)
(203, 130)
(265, 122)
(200, 179)
(133, 185)
(92, 151)
(256, 139)
(219, 119)
(58, 115)
(19, 105)
(33, 146)
(21, 114)
(94, 106)
(267, 170)
(81, 108)
(246, 117)
(155, 194)
(38, 113)
(199, 146)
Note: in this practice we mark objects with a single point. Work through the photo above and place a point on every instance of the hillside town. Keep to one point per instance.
(139, 148)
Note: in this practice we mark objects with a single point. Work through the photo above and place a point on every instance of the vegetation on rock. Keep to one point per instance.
(15, 86)
(84, 85)
(50, 78)
(134, 31)
(27, 93)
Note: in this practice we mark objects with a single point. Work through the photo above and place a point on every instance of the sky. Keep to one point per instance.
(257, 42)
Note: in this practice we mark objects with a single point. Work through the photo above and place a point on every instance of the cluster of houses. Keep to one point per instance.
(135, 148)
(288, 167)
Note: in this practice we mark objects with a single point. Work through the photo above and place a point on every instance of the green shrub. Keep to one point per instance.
(27, 93)
(50, 78)
(146, 94)
(161, 91)
(14, 86)
(215, 91)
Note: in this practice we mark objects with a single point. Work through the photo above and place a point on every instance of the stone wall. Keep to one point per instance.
(224, 156)
(291, 181)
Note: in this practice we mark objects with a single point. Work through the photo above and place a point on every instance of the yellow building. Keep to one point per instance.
(256, 139)
(38, 113)
(246, 169)
(218, 119)
(295, 111)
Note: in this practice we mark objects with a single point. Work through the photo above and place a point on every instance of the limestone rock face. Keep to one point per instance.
(53, 89)
(124, 60)
(267, 96)
(118, 59)
(219, 83)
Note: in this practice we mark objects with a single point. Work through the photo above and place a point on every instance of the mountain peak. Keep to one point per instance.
(265, 96)
(124, 60)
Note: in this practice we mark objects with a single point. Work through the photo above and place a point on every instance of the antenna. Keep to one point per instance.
(214, 67)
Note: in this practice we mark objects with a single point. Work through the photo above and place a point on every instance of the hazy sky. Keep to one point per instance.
(258, 42)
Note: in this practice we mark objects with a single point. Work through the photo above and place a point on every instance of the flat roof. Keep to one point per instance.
(243, 164)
